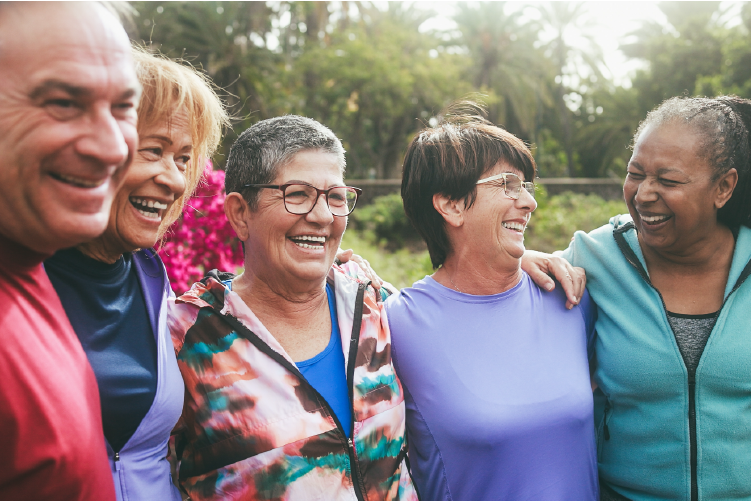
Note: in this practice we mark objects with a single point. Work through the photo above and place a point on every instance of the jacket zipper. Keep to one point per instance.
(354, 343)
(630, 256)
(605, 430)
(265, 348)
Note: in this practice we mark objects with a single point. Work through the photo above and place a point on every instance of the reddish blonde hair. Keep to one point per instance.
(168, 86)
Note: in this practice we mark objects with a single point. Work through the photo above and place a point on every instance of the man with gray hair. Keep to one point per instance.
(68, 95)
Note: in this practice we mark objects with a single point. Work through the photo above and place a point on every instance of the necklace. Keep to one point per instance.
(452, 282)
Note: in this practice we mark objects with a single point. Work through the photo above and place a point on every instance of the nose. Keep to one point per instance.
(105, 141)
(172, 177)
(320, 214)
(646, 191)
(526, 201)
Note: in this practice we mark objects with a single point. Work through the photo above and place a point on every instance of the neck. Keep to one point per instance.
(478, 277)
(714, 248)
(99, 250)
(269, 301)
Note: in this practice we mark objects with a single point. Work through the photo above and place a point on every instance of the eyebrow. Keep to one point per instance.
(164, 139)
(167, 140)
(298, 181)
(636, 164)
(74, 90)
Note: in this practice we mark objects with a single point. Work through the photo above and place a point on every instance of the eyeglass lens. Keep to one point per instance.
(514, 185)
(300, 199)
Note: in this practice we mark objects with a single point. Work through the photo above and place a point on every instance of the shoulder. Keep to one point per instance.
(150, 263)
(347, 279)
(183, 311)
(587, 249)
(410, 298)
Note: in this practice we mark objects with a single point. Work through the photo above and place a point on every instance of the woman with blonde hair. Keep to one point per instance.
(115, 288)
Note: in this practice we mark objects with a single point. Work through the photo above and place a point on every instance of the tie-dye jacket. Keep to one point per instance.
(253, 427)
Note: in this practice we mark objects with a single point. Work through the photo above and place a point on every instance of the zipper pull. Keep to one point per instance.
(117, 461)
(605, 430)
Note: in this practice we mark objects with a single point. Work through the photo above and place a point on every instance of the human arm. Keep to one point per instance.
(344, 256)
(541, 266)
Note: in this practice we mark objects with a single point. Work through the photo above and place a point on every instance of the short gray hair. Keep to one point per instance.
(259, 152)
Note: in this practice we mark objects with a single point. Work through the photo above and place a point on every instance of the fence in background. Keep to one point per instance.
(607, 188)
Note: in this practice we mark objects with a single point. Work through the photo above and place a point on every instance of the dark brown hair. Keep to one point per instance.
(449, 159)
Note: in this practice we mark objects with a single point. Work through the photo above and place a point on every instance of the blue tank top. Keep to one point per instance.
(326, 371)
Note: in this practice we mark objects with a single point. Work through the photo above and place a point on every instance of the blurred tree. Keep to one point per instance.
(679, 54)
(577, 59)
(505, 65)
(229, 41)
(376, 83)
(608, 119)
(734, 76)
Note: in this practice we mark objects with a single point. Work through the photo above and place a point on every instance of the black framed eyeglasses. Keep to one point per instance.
(512, 184)
(300, 198)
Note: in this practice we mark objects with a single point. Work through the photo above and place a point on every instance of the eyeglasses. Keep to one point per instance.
(300, 198)
(512, 184)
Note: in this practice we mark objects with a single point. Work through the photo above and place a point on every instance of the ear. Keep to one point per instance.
(237, 211)
(725, 187)
(451, 210)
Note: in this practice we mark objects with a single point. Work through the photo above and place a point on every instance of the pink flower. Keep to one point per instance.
(201, 239)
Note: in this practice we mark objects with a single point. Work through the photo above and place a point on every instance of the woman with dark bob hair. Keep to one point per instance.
(674, 302)
(495, 370)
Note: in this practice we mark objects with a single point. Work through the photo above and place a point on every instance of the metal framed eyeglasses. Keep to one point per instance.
(300, 198)
(512, 184)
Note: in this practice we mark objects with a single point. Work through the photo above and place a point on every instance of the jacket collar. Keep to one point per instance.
(153, 284)
(624, 231)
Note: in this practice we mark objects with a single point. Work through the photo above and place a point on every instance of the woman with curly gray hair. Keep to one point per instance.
(671, 284)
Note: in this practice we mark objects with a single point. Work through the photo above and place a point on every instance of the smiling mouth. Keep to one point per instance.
(77, 181)
(308, 241)
(149, 208)
(651, 220)
(518, 227)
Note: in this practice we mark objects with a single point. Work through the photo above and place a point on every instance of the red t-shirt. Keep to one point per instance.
(51, 440)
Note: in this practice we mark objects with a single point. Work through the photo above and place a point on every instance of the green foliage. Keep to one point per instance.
(401, 268)
(384, 223)
(557, 218)
(383, 236)
(375, 74)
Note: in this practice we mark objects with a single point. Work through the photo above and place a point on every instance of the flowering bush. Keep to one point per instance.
(201, 239)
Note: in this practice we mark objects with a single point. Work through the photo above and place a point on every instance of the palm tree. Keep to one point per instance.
(505, 64)
(567, 24)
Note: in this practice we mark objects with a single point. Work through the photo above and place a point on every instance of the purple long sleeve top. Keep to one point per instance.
(499, 403)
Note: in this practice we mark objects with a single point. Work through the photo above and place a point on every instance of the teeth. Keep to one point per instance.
(152, 204)
(654, 219)
(152, 215)
(514, 226)
(79, 182)
(307, 246)
(311, 238)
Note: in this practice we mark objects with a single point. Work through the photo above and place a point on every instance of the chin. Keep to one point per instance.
(311, 272)
(77, 230)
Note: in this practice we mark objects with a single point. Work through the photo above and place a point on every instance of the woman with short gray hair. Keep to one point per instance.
(291, 393)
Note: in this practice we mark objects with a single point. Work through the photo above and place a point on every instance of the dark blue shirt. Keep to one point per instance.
(106, 308)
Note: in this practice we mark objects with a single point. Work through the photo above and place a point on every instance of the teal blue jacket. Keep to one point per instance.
(659, 435)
